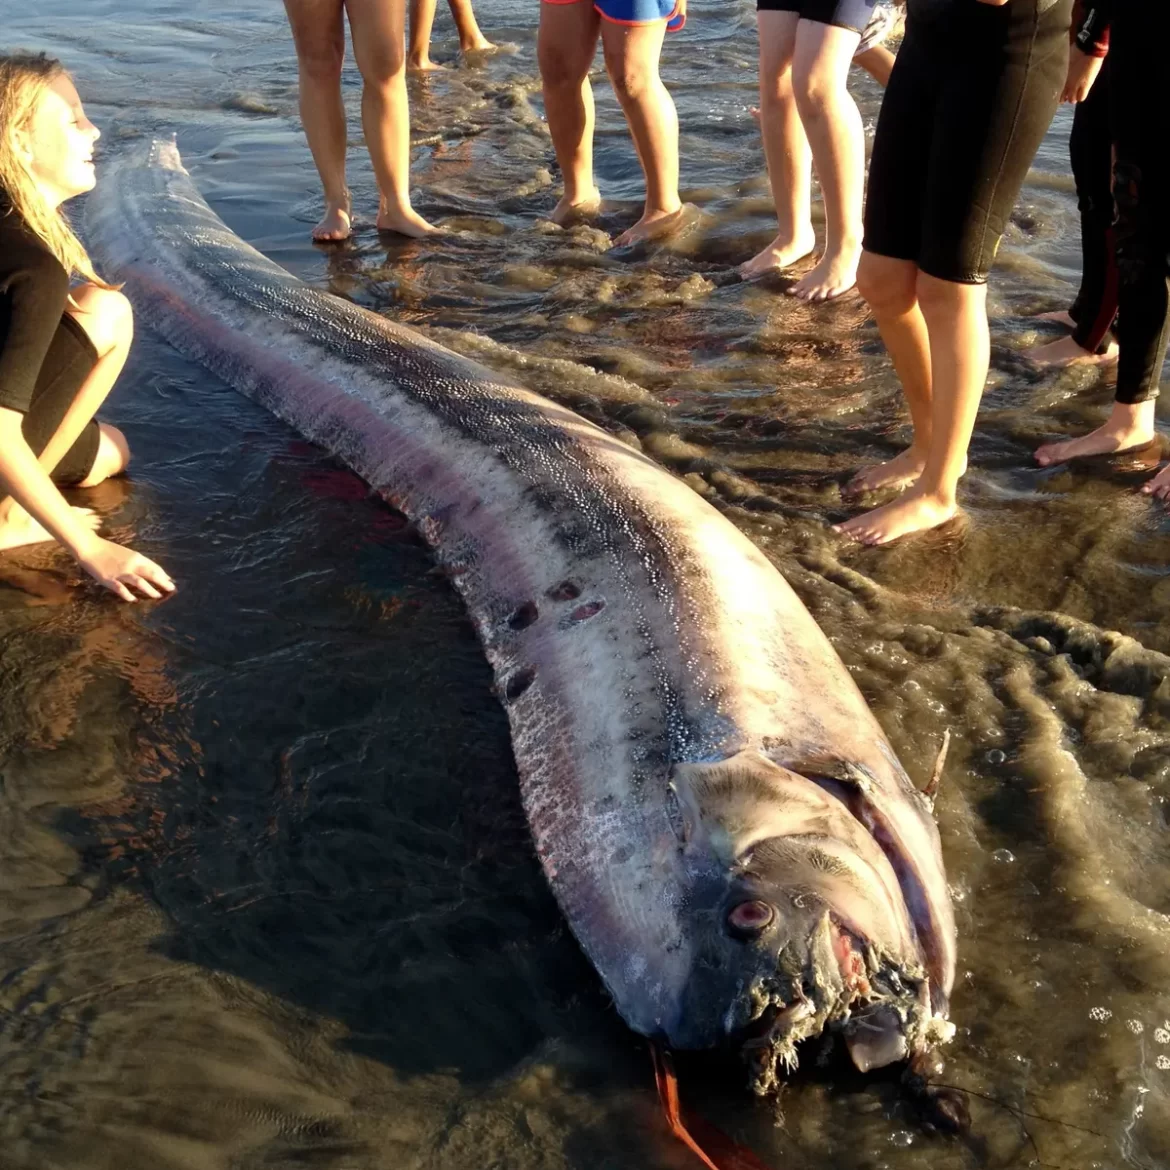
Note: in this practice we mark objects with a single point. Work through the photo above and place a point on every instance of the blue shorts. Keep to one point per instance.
(636, 11)
(851, 14)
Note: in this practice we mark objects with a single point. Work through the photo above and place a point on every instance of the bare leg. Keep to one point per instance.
(878, 62)
(565, 46)
(422, 20)
(631, 59)
(319, 36)
(960, 350)
(378, 38)
(471, 40)
(891, 288)
(785, 148)
(108, 320)
(1128, 425)
(820, 68)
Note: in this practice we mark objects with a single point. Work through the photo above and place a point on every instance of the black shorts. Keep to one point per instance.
(970, 98)
(851, 14)
(68, 363)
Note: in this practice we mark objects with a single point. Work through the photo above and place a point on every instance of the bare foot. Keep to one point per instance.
(1060, 316)
(20, 529)
(899, 472)
(834, 276)
(652, 226)
(480, 45)
(916, 511)
(1066, 352)
(334, 225)
(782, 252)
(1159, 486)
(422, 65)
(1107, 439)
(570, 211)
(405, 221)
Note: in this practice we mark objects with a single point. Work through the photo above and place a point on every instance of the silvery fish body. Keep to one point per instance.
(724, 825)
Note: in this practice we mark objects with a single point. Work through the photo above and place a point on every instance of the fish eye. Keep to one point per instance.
(746, 919)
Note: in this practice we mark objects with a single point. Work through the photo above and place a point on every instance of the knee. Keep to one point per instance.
(323, 67)
(630, 79)
(814, 93)
(113, 455)
(105, 315)
(385, 71)
(560, 69)
(888, 286)
(944, 297)
(776, 85)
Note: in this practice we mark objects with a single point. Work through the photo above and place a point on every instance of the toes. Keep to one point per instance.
(854, 530)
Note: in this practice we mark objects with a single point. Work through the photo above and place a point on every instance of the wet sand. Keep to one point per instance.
(266, 893)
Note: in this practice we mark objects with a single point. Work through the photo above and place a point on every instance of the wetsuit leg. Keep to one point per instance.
(67, 364)
(902, 144)
(1004, 68)
(1090, 151)
(851, 14)
(1141, 189)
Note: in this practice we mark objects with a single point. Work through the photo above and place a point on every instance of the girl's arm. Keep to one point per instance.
(1090, 45)
(22, 477)
(1090, 26)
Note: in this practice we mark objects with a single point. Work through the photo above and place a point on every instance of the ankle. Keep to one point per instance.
(944, 495)
(791, 230)
(394, 205)
(849, 245)
(1132, 418)
(576, 195)
(656, 208)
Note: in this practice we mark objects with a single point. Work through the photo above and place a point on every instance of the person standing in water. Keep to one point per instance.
(972, 92)
(807, 116)
(631, 33)
(422, 20)
(61, 349)
(1090, 149)
(1139, 102)
(378, 29)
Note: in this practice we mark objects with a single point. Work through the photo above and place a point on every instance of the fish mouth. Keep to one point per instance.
(816, 907)
(915, 898)
(878, 1004)
(885, 1006)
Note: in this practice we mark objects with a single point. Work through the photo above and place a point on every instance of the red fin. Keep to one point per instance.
(710, 1145)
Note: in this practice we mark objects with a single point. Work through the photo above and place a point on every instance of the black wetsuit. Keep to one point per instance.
(1090, 149)
(1139, 101)
(850, 14)
(972, 92)
(45, 355)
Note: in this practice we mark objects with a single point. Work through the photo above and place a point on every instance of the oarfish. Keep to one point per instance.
(725, 826)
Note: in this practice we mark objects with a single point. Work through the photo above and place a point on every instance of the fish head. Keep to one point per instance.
(796, 921)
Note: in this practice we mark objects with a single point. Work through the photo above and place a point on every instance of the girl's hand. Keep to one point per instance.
(117, 569)
(1082, 72)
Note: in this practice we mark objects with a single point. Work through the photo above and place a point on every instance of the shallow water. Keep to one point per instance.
(268, 898)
